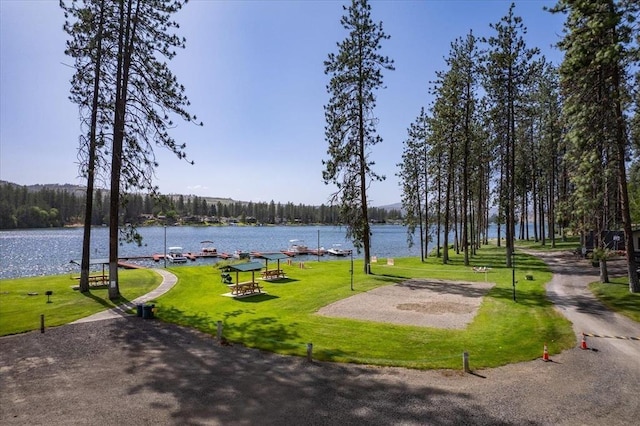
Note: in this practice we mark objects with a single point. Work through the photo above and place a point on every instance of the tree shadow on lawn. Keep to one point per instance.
(105, 302)
(390, 278)
(267, 332)
(281, 281)
(447, 287)
(171, 374)
(523, 297)
(520, 261)
(255, 298)
(201, 321)
(234, 384)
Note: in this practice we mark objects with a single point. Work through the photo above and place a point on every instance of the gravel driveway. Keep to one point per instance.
(135, 371)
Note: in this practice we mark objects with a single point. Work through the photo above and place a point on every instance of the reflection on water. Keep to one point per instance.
(49, 251)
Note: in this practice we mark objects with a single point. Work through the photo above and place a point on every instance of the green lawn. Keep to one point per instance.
(284, 319)
(20, 312)
(616, 296)
(568, 244)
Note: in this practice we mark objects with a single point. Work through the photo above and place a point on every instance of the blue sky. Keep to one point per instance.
(254, 74)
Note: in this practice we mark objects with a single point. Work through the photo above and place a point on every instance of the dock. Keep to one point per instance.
(157, 257)
(126, 265)
(193, 256)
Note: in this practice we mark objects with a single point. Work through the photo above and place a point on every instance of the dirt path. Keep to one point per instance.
(568, 291)
(130, 370)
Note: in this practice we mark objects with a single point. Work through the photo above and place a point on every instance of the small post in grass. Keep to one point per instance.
(513, 273)
(309, 352)
(41, 323)
(219, 334)
(351, 270)
(465, 362)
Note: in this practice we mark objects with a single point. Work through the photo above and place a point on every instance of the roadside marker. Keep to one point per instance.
(583, 344)
(612, 337)
(545, 353)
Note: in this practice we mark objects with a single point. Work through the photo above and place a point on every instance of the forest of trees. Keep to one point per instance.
(22, 207)
(542, 144)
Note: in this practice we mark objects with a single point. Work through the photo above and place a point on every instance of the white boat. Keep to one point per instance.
(208, 249)
(240, 254)
(296, 247)
(337, 250)
(175, 255)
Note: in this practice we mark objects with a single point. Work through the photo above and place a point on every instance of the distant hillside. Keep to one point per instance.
(80, 190)
(394, 206)
(209, 200)
(76, 189)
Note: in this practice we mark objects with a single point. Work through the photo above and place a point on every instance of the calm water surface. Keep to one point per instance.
(36, 252)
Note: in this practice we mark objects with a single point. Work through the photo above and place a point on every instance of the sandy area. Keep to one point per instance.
(419, 302)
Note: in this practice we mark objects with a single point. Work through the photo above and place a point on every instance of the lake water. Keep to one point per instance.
(36, 252)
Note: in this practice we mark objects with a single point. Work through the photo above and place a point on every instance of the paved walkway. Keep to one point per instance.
(569, 292)
(168, 281)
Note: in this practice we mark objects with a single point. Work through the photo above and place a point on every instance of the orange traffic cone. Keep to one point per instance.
(583, 344)
(545, 353)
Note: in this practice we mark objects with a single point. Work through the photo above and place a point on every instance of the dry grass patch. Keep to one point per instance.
(419, 302)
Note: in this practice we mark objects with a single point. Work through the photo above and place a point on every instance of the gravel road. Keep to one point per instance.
(129, 370)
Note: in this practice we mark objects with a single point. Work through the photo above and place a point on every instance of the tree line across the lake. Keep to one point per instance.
(49, 206)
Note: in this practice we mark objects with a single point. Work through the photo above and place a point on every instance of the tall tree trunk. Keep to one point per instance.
(465, 176)
(551, 213)
(420, 222)
(447, 208)
(366, 236)
(439, 208)
(632, 271)
(125, 50)
(88, 211)
(511, 165)
(426, 205)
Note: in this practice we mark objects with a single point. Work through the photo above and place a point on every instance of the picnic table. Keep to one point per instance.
(245, 288)
(272, 274)
(96, 280)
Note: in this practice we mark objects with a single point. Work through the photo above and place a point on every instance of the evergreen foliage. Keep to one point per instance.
(508, 71)
(121, 50)
(65, 207)
(356, 73)
(599, 54)
(414, 178)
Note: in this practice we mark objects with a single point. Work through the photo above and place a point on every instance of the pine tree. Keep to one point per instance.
(414, 180)
(508, 70)
(138, 96)
(85, 46)
(596, 97)
(356, 73)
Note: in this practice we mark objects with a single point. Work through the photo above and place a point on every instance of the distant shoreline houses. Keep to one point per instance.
(48, 206)
(192, 220)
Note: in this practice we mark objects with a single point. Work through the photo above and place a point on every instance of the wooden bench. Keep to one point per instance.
(96, 279)
(245, 288)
